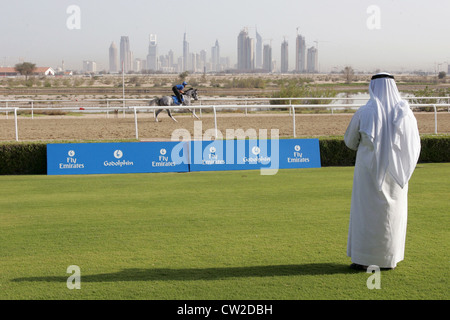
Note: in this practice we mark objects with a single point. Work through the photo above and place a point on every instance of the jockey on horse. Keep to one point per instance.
(178, 90)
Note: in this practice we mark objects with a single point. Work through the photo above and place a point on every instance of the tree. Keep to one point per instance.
(348, 74)
(183, 75)
(25, 68)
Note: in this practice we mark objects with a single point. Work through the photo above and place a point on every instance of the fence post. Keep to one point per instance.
(136, 124)
(435, 119)
(15, 124)
(32, 109)
(215, 120)
(293, 118)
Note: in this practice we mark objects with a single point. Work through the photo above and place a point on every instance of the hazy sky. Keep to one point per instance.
(365, 34)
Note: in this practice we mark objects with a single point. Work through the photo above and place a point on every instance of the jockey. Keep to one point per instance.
(178, 90)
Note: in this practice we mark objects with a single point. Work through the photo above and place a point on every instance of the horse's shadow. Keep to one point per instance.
(189, 274)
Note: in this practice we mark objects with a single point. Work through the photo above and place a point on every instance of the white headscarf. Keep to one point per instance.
(394, 132)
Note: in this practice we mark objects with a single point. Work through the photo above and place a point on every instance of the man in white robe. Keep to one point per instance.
(384, 132)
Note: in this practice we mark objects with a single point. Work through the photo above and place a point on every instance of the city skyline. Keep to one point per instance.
(366, 35)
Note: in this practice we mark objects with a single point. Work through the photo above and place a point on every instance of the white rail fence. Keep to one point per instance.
(29, 106)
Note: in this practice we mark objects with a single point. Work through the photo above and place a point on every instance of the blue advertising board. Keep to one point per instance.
(217, 155)
(121, 157)
(299, 153)
(250, 154)
(221, 155)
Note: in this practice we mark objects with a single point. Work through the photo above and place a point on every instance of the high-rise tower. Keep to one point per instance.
(246, 52)
(284, 56)
(113, 58)
(312, 60)
(259, 51)
(215, 57)
(267, 58)
(186, 65)
(125, 54)
(300, 54)
(152, 57)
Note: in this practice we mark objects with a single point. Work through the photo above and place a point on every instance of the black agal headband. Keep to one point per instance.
(382, 75)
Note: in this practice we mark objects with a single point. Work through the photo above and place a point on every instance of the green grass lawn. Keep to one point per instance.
(210, 235)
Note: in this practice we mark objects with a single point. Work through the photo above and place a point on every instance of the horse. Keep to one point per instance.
(168, 101)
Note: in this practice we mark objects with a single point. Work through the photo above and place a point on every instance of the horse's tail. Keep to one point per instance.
(154, 102)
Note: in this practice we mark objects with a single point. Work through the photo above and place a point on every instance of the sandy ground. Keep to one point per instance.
(95, 127)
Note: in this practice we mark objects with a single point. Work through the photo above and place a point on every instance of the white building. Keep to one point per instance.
(89, 66)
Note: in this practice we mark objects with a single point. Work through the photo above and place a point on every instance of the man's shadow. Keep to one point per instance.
(189, 274)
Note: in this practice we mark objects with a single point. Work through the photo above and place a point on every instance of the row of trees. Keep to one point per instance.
(28, 68)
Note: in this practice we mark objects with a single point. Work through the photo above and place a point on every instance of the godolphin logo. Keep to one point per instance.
(118, 154)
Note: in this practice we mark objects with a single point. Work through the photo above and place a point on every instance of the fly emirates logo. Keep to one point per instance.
(71, 162)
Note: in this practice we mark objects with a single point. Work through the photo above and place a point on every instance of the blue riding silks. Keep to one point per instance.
(175, 100)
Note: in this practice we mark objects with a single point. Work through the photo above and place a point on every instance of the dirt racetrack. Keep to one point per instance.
(101, 127)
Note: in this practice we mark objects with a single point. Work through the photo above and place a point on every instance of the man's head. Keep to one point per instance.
(383, 87)
(382, 75)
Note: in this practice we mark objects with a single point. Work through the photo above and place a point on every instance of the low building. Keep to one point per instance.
(44, 71)
(38, 71)
(8, 72)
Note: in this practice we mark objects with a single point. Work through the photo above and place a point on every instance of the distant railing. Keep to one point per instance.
(291, 107)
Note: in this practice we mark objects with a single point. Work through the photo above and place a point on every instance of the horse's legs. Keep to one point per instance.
(170, 115)
(156, 114)
(193, 113)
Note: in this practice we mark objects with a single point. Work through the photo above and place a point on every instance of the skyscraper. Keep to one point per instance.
(284, 56)
(259, 51)
(312, 60)
(170, 59)
(113, 58)
(300, 54)
(152, 57)
(125, 54)
(186, 65)
(215, 57)
(246, 52)
(202, 61)
(267, 58)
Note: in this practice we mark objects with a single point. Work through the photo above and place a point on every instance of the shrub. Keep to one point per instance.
(23, 158)
(299, 91)
(334, 152)
(435, 149)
